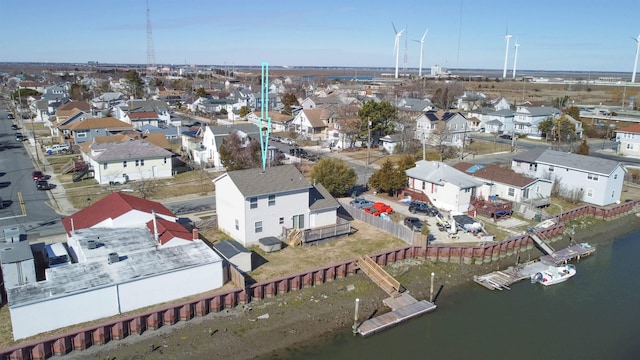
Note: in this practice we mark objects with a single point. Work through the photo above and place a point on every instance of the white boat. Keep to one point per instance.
(554, 275)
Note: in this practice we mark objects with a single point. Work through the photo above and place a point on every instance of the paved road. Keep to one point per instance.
(23, 203)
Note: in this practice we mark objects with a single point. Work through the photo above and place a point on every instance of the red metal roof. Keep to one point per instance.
(168, 230)
(111, 207)
(635, 128)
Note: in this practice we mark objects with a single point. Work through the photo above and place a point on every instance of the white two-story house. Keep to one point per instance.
(446, 187)
(628, 138)
(585, 178)
(442, 128)
(527, 119)
(253, 204)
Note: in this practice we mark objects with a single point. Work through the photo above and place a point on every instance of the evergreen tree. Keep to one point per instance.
(389, 178)
(335, 175)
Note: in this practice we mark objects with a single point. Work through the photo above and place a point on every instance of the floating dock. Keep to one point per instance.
(404, 307)
(501, 280)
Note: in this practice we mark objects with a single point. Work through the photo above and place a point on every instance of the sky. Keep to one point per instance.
(553, 35)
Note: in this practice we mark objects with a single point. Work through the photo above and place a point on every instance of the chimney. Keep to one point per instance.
(195, 234)
(155, 226)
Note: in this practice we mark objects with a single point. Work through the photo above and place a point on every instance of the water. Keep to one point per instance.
(592, 316)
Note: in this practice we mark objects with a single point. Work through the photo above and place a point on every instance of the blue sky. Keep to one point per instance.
(559, 35)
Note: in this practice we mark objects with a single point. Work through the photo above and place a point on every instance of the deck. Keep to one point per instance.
(501, 280)
(404, 307)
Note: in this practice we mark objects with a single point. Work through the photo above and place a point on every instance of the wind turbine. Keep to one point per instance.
(515, 59)
(506, 55)
(635, 65)
(421, 41)
(396, 47)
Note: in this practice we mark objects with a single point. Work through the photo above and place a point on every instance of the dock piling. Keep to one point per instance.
(355, 318)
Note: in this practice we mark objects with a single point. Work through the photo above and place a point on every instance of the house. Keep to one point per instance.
(527, 119)
(389, 143)
(253, 204)
(158, 107)
(509, 185)
(89, 128)
(313, 123)
(128, 160)
(470, 101)
(442, 128)
(140, 118)
(499, 121)
(235, 253)
(127, 252)
(589, 179)
(279, 121)
(446, 187)
(628, 138)
(212, 138)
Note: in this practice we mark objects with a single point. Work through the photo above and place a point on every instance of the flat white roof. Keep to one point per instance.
(75, 278)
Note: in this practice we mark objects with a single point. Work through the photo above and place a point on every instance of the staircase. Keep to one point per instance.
(382, 278)
(538, 238)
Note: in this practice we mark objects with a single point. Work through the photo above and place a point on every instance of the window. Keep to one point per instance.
(137, 163)
(593, 177)
(237, 224)
(253, 203)
(525, 193)
(104, 166)
(272, 200)
(467, 190)
(423, 185)
(615, 176)
(124, 164)
(281, 221)
(512, 192)
(551, 168)
(629, 146)
(165, 160)
(589, 192)
(142, 162)
(81, 134)
(258, 227)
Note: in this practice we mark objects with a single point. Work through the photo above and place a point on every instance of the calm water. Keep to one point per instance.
(594, 315)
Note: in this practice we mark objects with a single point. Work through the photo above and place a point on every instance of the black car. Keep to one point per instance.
(10, 116)
(423, 208)
(14, 127)
(42, 185)
(413, 223)
(20, 137)
(505, 136)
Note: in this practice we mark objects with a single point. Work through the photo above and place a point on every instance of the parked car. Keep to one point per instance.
(10, 116)
(423, 208)
(14, 127)
(54, 149)
(37, 175)
(361, 203)
(413, 223)
(505, 136)
(20, 137)
(42, 185)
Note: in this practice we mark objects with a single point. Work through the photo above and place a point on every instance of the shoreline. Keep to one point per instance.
(310, 316)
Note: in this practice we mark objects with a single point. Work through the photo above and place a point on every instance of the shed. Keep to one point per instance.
(270, 244)
(14, 234)
(18, 265)
(235, 253)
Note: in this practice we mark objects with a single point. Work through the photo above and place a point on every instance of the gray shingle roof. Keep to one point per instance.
(319, 198)
(126, 150)
(438, 173)
(277, 179)
(590, 164)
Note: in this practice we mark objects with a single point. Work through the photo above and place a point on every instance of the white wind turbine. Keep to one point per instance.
(396, 47)
(506, 55)
(635, 65)
(421, 41)
(515, 59)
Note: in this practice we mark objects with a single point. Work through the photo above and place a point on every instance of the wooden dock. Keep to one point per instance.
(502, 279)
(404, 307)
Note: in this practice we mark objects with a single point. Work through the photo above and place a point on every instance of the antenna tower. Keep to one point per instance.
(151, 57)
(265, 131)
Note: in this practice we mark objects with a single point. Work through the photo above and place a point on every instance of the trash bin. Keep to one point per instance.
(537, 217)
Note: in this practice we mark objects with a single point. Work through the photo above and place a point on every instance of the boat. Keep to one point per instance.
(554, 275)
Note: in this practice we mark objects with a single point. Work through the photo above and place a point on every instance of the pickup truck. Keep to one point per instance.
(54, 149)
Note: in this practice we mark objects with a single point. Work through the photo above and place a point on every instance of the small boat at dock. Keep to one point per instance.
(554, 275)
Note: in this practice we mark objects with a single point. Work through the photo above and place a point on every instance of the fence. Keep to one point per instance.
(118, 329)
(390, 227)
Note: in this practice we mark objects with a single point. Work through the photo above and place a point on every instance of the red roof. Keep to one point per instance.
(111, 207)
(168, 230)
(635, 128)
(143, 115)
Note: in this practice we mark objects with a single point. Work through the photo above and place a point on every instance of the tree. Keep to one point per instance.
(407, 161)
(389, 178)
(584, 148)
(288, 100)
(201, 92)
(244, 111)
(560, 102)
(381, 117)
(239, 152)
(135, 85)
(564, 130)
(335, 175)
(545, 126)
(444, 97)
(574, 112)
(78, 92)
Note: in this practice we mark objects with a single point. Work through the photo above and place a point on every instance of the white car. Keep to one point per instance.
(56, 148)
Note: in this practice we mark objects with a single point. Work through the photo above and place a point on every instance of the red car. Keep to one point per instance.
(37, 175)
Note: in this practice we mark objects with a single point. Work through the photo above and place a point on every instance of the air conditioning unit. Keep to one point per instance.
(113, 257)
(92, 244)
